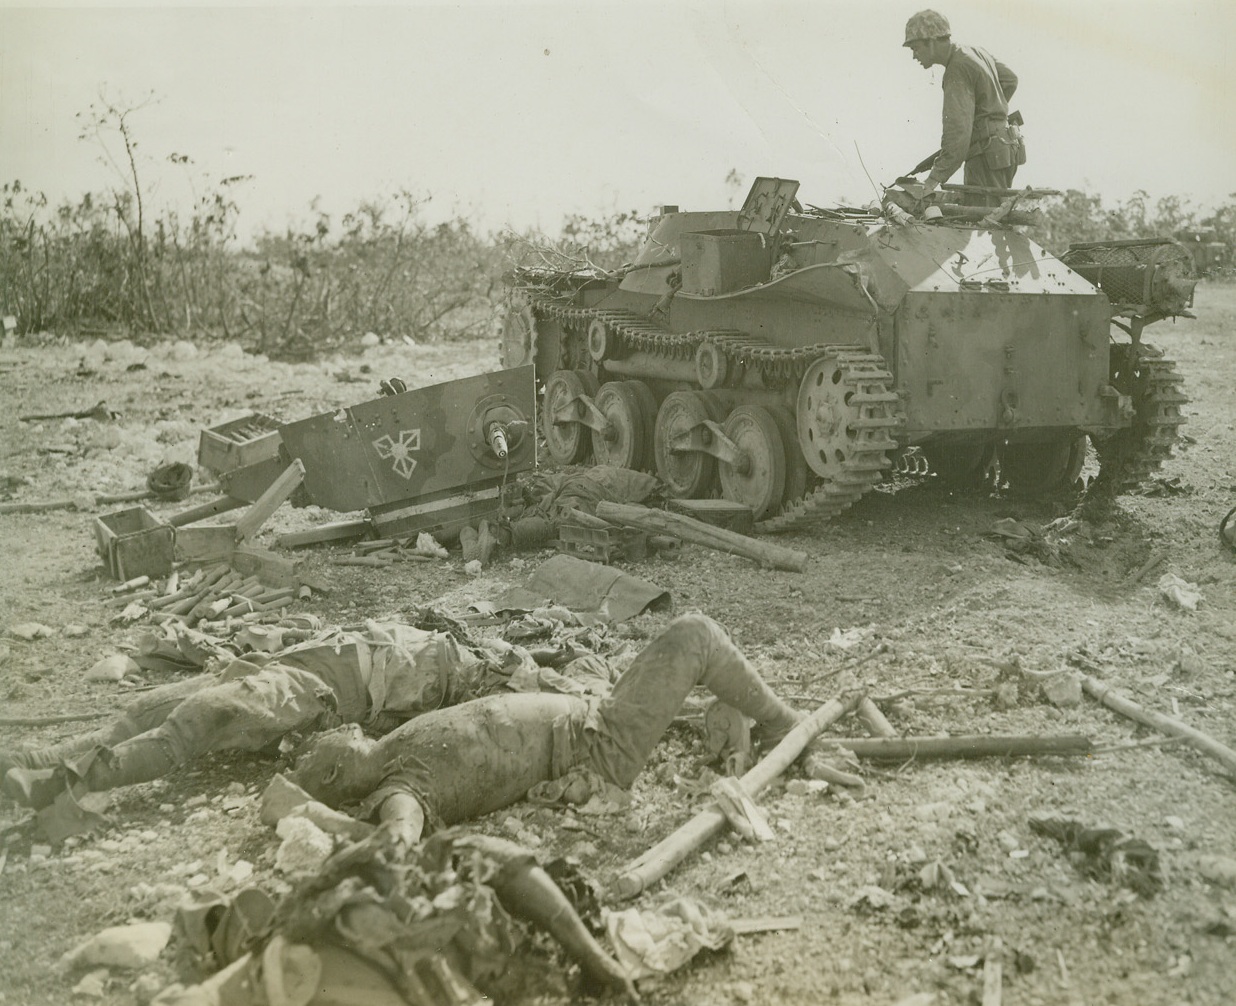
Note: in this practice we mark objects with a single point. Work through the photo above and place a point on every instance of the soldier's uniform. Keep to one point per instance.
(976, 128)
(478, 757)
(345, 677)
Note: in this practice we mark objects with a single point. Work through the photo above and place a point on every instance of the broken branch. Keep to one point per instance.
(699, 533)
(47, 721)
(663, 857)
(976, 746)
(1168, 725)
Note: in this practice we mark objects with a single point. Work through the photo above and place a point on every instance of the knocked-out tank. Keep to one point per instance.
(786, 357)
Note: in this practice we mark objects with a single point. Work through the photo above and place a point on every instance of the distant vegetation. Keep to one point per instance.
(105, 265)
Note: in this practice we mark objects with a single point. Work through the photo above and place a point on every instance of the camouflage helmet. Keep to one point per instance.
(926, 24)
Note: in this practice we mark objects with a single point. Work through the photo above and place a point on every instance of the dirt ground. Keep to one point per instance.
(907, 595)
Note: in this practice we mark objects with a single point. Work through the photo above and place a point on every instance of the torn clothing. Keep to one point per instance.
(486, 754)
(976, 131)
(347, 677)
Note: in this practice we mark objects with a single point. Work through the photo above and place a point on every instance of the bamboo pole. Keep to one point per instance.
(975, 746)
(42, 506)
(696, 531)
(647, 869)
(1127, 707)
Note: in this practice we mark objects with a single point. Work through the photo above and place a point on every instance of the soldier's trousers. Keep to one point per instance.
(977, 172)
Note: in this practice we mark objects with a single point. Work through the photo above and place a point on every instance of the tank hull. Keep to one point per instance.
(835, 341)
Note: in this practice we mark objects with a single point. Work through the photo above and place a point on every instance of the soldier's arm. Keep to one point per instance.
(402, 814)
(1007, 78)
(958, 126)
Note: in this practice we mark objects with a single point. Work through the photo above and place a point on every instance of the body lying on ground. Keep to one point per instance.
(453, 764)
(387, 669)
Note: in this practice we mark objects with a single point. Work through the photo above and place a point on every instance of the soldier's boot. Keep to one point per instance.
(53, 754)
(733, 679)
(33, 787)
(140, 759)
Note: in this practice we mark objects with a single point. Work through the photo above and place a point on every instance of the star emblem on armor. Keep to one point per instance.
(399, 450)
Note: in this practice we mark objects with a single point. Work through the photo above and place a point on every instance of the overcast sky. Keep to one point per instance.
(520, 112)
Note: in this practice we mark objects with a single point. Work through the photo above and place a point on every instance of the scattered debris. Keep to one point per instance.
(132, 947)
(1180, 592)
(1105, 853)
(660, 940)
(976, 746)
(304, 849)
(99, 412)
(642, 872)
(1049, 544)
(30, 631)
(588, 587)
(1219, 870)
(113, 668)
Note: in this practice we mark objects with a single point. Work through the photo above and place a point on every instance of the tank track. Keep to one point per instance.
(1131, 456)
(778, 366)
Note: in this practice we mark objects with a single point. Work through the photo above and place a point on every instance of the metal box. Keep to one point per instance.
(135, 542)
(602, 544)
(722, 261)
(243, 441)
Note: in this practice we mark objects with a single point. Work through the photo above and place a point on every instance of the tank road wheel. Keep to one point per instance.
(797, 475)
(712, 366)
(518, 335)
(648, 412)
(623, 440)
(757, 476)
(562, 415)
(679, 442)
(1038, 469)
(1130, 456)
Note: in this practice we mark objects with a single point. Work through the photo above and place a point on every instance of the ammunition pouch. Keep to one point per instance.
(1004, 147)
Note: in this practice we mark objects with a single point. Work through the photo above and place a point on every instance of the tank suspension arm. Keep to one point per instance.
(724, 449)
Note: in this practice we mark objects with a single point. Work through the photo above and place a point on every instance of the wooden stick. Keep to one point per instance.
(1127, 707)
(766, 924)
(47, 721)
(271, 500)
(692, 530)
(874, 720)
(221, 504)
(42, 506)
(646, 870)
(337, 531)
(585, 519)
(976, 746)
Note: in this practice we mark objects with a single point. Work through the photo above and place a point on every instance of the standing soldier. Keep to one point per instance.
(977, 88)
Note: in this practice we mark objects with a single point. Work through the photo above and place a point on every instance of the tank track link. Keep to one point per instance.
(1131, 456)
(865, 374)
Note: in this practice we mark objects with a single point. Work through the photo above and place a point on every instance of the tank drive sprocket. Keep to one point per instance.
(845, 412)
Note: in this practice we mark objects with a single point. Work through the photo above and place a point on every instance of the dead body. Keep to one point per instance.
(346, 677)
(454, 764)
